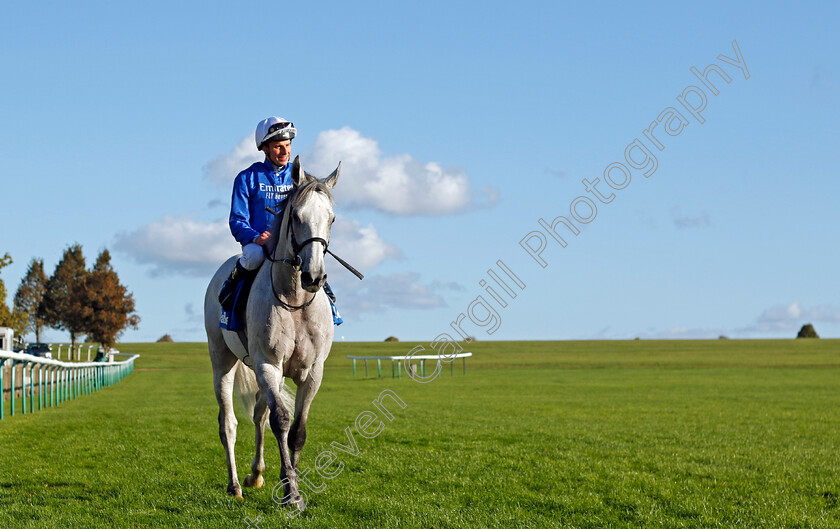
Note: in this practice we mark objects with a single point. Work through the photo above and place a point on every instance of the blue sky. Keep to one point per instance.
(459, 126)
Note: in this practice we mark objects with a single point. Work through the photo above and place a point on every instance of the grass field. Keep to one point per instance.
(728, 433)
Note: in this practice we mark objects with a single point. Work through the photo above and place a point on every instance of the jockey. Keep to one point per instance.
(263, 184)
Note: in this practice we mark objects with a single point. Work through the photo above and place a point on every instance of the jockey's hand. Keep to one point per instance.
(263, 238)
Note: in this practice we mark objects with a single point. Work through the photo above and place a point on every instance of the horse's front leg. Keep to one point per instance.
(303, 399)
(270, 379)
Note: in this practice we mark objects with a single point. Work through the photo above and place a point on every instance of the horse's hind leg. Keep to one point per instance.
(303, 399)
(224, 364)
(255, 478)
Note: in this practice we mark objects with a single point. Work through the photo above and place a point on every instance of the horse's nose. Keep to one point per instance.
(310, 282)
(306, 278)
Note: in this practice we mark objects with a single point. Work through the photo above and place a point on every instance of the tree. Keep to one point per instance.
(7, 317)
(108, 307)
(62, 304)
(807, 331)
(29, 295)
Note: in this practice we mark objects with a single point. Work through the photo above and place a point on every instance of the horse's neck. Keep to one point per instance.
(286, 280)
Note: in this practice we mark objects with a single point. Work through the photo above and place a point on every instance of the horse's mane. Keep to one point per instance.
(298, 196)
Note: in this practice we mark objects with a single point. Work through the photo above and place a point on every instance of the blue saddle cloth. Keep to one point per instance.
(234, 319)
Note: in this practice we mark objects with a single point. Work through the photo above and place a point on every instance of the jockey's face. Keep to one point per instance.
(278, 152)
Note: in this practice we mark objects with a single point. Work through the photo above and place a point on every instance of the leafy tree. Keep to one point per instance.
(63, 300)
(7, 317)
(29, 295)
(807, 331)
(108, 307)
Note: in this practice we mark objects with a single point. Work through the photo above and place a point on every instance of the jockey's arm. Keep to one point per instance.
(240, 215)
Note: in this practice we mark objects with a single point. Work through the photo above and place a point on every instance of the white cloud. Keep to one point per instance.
(399, 185)
(223, 169)
(824, 313)
(183, 245)
(682, 221)
(180, 245)
(684, 333)
(784, 318)
(380, 293)
(361, 246)
(780, 314)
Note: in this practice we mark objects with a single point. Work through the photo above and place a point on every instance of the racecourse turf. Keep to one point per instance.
(718, 433)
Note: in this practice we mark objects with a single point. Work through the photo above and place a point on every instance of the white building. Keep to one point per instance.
(6, 337)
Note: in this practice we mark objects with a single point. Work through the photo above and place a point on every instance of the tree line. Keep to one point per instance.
(74, 299)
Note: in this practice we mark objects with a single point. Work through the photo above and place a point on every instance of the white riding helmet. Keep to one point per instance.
(274, 128)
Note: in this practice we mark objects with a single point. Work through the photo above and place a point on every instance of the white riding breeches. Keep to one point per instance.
(252, 256)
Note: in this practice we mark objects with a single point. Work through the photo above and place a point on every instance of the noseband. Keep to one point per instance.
(299, 247)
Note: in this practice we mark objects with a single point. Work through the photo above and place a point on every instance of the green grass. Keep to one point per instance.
(723, 433)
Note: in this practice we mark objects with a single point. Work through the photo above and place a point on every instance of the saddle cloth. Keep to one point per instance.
(234, 319)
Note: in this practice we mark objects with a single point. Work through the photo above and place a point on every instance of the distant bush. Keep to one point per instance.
(722, 337)
(392, 339)
(165, 339)
(807, 331)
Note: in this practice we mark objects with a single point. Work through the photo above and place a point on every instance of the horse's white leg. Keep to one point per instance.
(255, 478)
(270, 379)
(223, 371)
(303, 399)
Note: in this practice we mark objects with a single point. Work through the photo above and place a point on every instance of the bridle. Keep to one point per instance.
(296, 261)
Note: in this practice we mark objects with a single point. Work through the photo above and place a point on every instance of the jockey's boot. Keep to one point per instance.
(329, 292)
(337, 319)
(226, 296)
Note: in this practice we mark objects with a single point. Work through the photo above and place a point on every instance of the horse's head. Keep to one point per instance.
(310, 220)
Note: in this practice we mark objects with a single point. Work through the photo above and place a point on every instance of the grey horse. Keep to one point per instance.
(289, 332)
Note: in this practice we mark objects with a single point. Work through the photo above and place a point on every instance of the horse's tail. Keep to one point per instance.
(246, 388)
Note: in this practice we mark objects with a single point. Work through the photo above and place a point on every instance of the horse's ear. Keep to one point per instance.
(298, 175)
(333, 178)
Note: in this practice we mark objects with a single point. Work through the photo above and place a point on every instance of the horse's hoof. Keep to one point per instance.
(295, 500)
(236, 492)
(257, 483)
